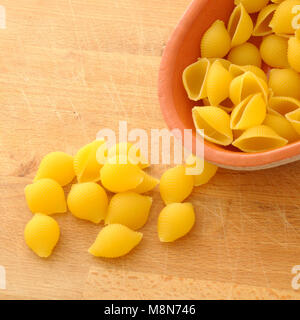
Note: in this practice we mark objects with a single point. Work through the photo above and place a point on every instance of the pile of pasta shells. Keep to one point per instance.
(247, 79)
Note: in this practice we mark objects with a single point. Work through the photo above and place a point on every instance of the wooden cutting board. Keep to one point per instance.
(69, 68)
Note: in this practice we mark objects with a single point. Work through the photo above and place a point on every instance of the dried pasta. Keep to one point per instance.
(252, 6)
(294, 53)
(236, 71)
(262, 26)
(148, 184)
(294, 118)
(245, 54)
(284, 105)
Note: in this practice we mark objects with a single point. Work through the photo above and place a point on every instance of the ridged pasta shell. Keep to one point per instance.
(115, 240)
(42, 234)
(262, 26)
(274, 51)
(45, 196)
(194, 79)
(129, 209)
(148, 184)
(249, 113)
(175, 221)
(225, 63)
(282, 22)
(86, 166)
(245, 85)
(236, 71)
(294, 118)
(175, 185)
(259, 139)
(88, 201)
(245, 54)
(294, 53)
(252, 6)
(284, 105)
(215, 122)
(285, 83)
(218, 82)
(216, 41)
(240, 26)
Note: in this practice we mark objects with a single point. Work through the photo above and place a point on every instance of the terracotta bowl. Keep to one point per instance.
(182, 49)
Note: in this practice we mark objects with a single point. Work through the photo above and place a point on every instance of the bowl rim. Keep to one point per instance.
(214, 154)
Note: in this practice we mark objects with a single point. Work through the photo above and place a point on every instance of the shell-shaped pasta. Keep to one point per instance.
(119, 175)
(57, 166)
(284, 105)
(251, 112)
(236, 71)
(42, 234)
(252, 5)
(281, 126)
(240, 26)
(294, 118)
(216, 41)
(115, 240)
(285, 83)
(294, 53)
(88, 201)
(45, 196)
(245, 85)
(148, 184)
(175, 221)
(297, 34)
(129, 209)
(206, 169)
(274, 51)
(218, 82)
(194, 79)
(264, 18)
(245, 54)
(225, 63)
(215, 122)
(225, 105)
(282, 22)
(259, 139)
(175, 185)
(86, 166)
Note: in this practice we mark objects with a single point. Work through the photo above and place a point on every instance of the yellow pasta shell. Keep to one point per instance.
(262, 26)
(115, 240)
(42, 234)
(259, 139)
(45, 196)
(294, 118)
(249, 113)
(245, 54)
(218, 82)
(216, 41)
(225, 105)
(285, 83)
(274, 51)
(284, 105)
(225, 63)
(236, 71)
(240, 26)
(297, 34)
(215, 122)
(148, 184)
(294, 53)
(129, 209)
(252, 5)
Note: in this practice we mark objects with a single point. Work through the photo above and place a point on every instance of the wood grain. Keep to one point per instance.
(72, 67)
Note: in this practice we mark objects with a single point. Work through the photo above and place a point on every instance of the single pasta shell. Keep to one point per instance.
(240, 26)
(262, 26)
(282, 22)
(225, 63)
(236, 71)
(259, 139)
(175, 221)
(57, 166)
(218, 82)
(129, 209)
(245, 54)
(249, 113)
(148, 184)
(45, 196)
(88, 201)
(285, 83)
(294, 118)
(274, 51)
(195, 78)
(245, 85)
(215, 122)
(86, 164)
(206, 170)
(119, 175)
(284, 105)
(216, 41)
(175, 185)
(252, 6)
(281, 126)
(294, 53)
(42, 234)
(115, 240)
